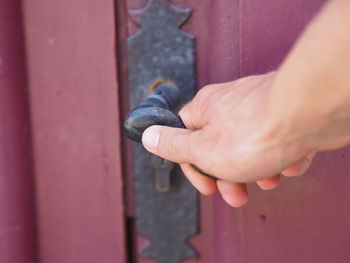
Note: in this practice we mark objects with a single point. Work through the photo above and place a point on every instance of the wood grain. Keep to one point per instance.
(76, 130)
(17, 209)
(305, 219)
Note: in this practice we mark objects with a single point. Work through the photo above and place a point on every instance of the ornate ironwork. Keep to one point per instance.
(160, 50)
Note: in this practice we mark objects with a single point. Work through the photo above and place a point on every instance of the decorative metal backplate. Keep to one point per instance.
(160, 50)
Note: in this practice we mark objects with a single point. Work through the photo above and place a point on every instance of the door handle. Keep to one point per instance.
(157, 109)
(162, 54)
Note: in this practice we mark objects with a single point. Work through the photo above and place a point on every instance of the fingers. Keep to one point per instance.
(269, 183)
(300, 167)
(173, 144)
(187, 118)
(297, 169)
(191, 116)
(234, 194)
(204, 184)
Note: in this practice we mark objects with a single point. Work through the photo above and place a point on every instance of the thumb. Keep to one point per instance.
(174, 144)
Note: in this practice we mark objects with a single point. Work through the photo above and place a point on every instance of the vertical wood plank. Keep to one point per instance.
(76, 130)
(269, 29)
(305, 219)
(17, 209)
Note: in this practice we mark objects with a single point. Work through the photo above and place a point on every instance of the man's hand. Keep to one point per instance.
(256, 128)
(229, 135)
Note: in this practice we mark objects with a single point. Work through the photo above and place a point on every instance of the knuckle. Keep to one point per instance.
(185, 116)
(204, 92)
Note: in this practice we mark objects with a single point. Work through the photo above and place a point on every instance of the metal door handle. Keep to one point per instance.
(157, 109)
(157, 53)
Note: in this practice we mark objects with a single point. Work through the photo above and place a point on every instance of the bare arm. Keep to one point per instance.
(313, 84)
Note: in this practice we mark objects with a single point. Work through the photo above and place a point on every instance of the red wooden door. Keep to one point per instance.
(59, 93)
(66, 188)
(17, 206)
(305, 219)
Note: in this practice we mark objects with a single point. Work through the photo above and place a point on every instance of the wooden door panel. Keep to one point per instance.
(305, 219)
(75, 125)
(17, 208)
(75, 100)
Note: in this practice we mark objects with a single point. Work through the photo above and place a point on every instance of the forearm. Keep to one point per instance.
(310, 98)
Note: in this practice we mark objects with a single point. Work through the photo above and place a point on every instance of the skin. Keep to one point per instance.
(259, 128)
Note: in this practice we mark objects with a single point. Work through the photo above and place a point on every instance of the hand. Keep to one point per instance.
(231, 135)
(259, 127)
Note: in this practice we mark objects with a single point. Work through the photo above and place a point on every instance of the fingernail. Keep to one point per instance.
(234, 200)
(150, 138)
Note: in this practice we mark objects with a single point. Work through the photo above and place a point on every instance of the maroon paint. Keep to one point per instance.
(305, 219)
(17, 211)
(75, 119)
(122, 34)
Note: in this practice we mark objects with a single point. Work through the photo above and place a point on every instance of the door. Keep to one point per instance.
(67, 171)
(304, 219)
(60, 172)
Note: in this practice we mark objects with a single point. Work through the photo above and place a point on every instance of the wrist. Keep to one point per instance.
(308, 119)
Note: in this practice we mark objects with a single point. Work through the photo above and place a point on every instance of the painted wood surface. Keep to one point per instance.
(17, 210)
(305, 219)
(75, 125)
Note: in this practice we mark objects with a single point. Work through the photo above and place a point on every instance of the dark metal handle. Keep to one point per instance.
(157, 109)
